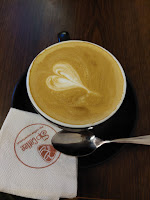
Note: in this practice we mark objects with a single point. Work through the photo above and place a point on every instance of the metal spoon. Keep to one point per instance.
(85, 143)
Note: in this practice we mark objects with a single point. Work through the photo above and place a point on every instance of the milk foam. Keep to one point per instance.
(66, 78)
(76, 83)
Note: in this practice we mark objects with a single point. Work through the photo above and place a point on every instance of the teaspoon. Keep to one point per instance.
(85, 143)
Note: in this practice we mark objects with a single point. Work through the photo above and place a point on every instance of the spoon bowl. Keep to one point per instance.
(76, 144)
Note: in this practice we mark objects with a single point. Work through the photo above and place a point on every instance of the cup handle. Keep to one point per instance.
(63, 36)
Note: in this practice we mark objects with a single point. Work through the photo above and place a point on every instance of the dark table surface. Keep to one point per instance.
(120, 26)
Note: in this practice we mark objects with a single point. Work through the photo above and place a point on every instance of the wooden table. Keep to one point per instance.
(122, 27)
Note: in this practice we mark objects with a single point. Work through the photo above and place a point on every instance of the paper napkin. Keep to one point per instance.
(29, 165)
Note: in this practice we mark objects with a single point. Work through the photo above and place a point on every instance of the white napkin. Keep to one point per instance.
(29, 165)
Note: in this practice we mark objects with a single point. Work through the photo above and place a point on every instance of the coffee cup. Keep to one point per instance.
(76, 84)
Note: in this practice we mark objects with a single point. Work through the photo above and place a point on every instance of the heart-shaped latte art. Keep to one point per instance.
(66, 78)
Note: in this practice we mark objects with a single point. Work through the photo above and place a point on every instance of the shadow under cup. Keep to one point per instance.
(70, 127)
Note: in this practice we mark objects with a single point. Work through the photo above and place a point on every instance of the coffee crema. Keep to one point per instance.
(76, 82)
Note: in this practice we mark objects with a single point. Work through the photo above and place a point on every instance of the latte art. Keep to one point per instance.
(66, 78)
(77, 83)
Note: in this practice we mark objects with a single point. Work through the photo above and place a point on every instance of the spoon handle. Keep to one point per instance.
(145, 140)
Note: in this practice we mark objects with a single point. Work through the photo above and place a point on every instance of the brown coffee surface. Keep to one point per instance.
(76, 82)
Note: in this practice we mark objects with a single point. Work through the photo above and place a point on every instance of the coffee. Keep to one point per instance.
(76, 82)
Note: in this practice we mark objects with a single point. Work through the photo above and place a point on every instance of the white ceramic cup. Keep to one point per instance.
(70, 126)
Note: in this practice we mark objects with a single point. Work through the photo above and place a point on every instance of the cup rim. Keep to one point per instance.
(59, 123)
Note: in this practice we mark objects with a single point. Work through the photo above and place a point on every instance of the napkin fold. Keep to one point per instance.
(29, 165)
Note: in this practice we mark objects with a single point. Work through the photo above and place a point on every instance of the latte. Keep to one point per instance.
(76, 82)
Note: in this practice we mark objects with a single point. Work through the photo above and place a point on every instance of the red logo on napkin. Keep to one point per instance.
(33, 146)
(47, 152)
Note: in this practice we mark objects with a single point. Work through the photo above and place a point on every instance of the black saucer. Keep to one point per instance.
(119, 125)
